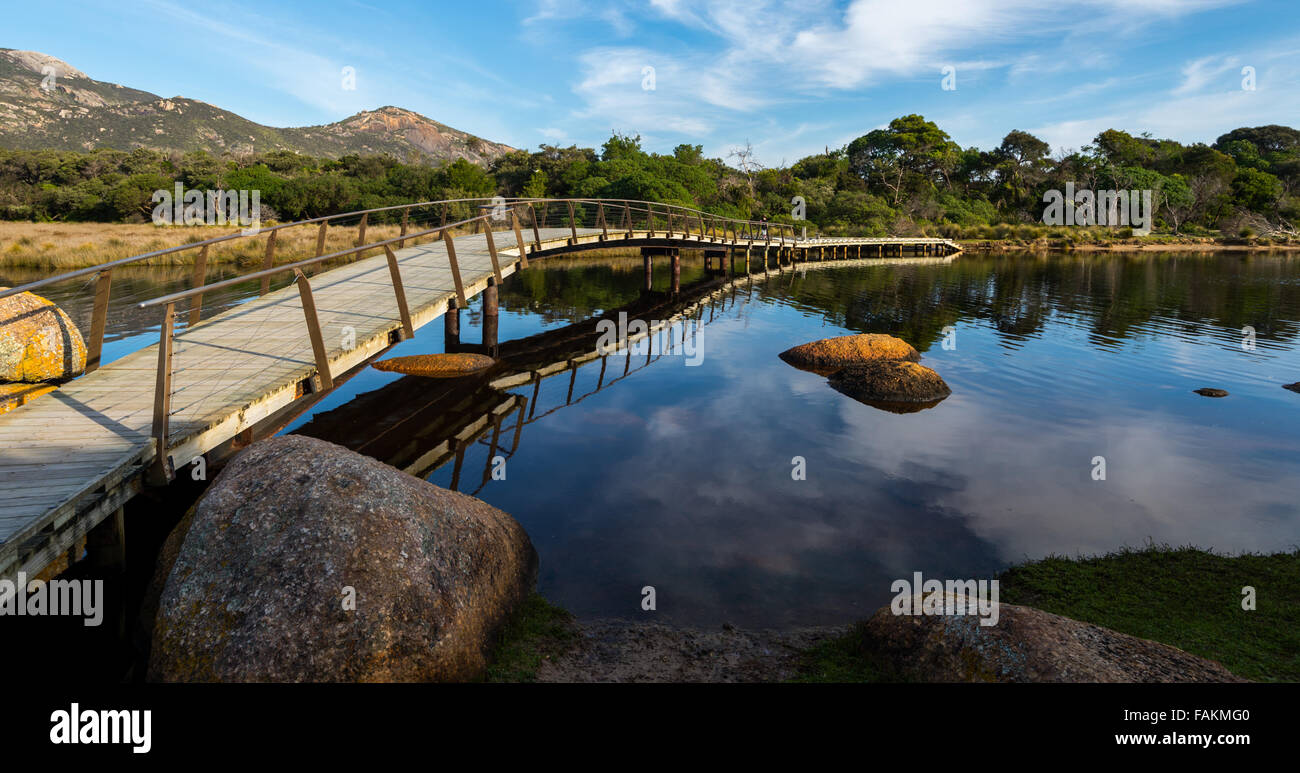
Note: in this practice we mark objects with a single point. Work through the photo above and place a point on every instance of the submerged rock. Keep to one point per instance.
(1210, 392)
(38, 341)
(1025, 645)
(452, 365)
(891, 382)
(1293, 387)
(305, 561)
(828, 355)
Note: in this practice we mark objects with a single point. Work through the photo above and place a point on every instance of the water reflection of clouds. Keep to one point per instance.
(699, 501)
(1030, 492)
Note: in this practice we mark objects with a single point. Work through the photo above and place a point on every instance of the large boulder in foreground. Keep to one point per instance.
(258, 590)
(891, 382)
(828, 355)
(38, 341)
(1026, 645)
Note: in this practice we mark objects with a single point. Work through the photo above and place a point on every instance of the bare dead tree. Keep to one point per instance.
(747, 163)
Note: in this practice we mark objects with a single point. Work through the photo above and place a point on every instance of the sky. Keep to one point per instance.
(789, 77)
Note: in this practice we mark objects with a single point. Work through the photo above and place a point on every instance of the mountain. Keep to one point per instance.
(73, 111)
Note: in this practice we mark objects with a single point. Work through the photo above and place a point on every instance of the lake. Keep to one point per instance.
(679, 476)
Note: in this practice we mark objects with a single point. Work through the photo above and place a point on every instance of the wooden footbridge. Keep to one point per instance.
(70, 460)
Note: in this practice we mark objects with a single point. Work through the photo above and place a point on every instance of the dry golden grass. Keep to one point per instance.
(67, 246)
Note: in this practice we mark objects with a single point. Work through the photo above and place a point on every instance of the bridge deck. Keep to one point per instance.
(82, 448)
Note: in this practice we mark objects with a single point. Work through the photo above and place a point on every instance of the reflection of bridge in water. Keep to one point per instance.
(70, 461)
(418, 424)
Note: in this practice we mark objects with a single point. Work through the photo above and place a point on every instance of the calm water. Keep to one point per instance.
(680, 477)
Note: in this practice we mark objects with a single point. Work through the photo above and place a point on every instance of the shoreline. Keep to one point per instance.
(545, 643)
(66, 246)
(1126, 246)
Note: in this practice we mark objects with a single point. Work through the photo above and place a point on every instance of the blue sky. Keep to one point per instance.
(790, 77)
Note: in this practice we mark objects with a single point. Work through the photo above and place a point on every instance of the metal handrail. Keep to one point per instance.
(686, 221)
(216, 240)
(297, 265)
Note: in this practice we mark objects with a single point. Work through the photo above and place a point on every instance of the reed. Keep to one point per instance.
(67, 246)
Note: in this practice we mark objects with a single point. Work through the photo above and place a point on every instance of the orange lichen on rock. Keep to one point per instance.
(14, 395)
(38, 341)
(437, 365)
(828, 355)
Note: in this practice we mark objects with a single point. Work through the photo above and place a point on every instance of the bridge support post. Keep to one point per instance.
(106, 542)
(106, 553)
(451, 327)
(649, 269)
(677, 271)
(747, 260)
(491, 316)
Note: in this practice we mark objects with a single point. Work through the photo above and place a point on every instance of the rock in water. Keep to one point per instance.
(828, 355)
(38, 341)
(437, 365)
(308, 562)
(1210, 392)
(891, 382)
(1293, 387)
(1026, 645)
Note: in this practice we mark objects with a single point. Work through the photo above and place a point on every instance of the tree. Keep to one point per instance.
(913, 154)
(746, 162)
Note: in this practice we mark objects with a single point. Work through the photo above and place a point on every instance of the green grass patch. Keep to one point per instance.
(1188, 598)
(1184, 597)
(839, 660)
(538, 630)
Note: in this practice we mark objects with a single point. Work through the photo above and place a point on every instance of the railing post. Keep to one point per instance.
(99, 320)
(600, 215)
(444, 216)
(268, 261)
(199, 277)
(537, 235)
(320, 238)
(492, 250)
(313, 330)
(573, 226)
(162, 471)
(627, 219)
(650, 220)
(361, 232)
(669, 211)
(455, 270)
(519, 239)
(406, 216)
(408, 330)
